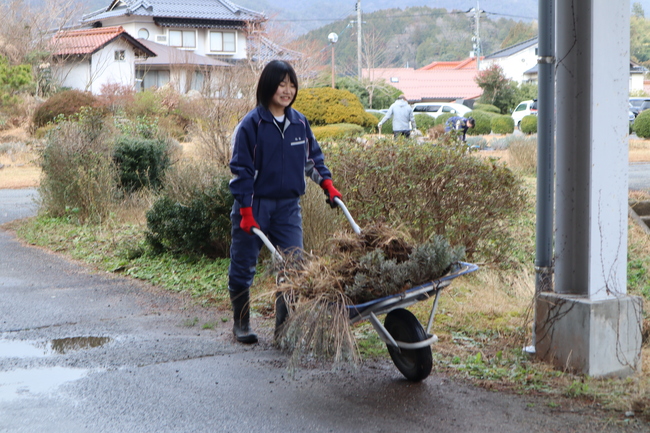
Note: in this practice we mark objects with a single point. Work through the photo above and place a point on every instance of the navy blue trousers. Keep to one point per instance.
(280, 220)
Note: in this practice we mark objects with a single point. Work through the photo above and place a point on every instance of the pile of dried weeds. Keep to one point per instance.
(382, 261)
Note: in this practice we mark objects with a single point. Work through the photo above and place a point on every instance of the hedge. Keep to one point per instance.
(327, 106)
(503, 125)
(337, 131)
(529, 124)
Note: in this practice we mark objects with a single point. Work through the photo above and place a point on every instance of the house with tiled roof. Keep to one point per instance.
(91, 58)
(220, 31)
(214, 28)
(437, 84)
(469, 63)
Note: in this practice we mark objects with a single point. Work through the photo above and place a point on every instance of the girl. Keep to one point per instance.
(273, 150)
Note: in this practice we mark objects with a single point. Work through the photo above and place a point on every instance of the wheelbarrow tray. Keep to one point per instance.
(371, 309)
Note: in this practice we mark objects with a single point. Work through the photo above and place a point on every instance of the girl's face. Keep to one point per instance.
(282, 97)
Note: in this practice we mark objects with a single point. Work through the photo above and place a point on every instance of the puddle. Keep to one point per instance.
(24, 383)
(59, 346)
(22, 349)
(62, 346)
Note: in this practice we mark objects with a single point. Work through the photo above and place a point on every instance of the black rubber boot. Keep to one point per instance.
(281, 313)
(241, 309)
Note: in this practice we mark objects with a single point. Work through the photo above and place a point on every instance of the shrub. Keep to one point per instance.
(141, 162)
(78, 174)
(200, 224)
(429, 190)
(529, 124)
(424, 122)
(503, 125)
(482, 122)
(338, 131)
(487, 107)
(642, 124)
(442, 119)
(387, 127)
(63, 104)
(326, 106)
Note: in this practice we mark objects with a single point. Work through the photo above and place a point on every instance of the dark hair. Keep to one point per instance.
(471, 120)
(271, 77)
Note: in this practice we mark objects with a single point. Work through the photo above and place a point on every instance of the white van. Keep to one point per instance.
(524, 109)
(435, 109)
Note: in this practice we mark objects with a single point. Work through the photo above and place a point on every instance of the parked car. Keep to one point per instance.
(639, 104)
(435, 109)
(523, 109)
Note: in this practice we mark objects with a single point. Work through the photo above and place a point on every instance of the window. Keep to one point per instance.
(150, 79)
(182, 38)
(143, 34)
(223, 42)
(119, 55)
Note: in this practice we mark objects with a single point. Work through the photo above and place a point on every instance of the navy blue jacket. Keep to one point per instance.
(271, 163)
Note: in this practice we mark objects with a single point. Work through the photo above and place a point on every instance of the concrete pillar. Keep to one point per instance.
(589, 324)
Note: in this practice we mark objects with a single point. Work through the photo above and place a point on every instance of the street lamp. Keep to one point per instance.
(333, 38)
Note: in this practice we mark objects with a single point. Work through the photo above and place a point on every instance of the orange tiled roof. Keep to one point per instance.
(468, 63)
(87, 41)
(436, 84)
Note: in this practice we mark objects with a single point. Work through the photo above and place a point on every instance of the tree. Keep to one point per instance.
(637, 10)
(498, 90)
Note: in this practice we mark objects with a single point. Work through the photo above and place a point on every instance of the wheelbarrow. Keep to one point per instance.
(408, 342)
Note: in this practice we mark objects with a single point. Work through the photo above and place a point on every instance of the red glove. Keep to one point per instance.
(330, 192)
(247, 221)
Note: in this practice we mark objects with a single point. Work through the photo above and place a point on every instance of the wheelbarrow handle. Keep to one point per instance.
(274, 252)
(346, 212)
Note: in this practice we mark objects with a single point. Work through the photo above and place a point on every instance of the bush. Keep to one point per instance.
(64, 104)
(424, 122)
(503, 125)
(642, 124)
(529, 124)
(387, 127)
(338, 131)
(442, 119)
(482, 122)
(78, 175)
(141, 162)
(198, 226)
(429, 190)
(487, 107)
(326, 106)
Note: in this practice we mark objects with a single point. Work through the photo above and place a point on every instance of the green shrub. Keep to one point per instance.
(78, 174)
(338, 131)
(141, 162)
(199, 226)
(326, 106)
(529, 124)
(442, 119)
(387, 127)
(430, 189)
(503, 125)
(424, 122)
(63, 104)
(642, 124)
(487, 107)
(482, 122)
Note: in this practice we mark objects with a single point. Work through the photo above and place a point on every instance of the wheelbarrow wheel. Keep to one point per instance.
(414, 364)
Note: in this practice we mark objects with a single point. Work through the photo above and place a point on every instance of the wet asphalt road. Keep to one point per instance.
(82, 351)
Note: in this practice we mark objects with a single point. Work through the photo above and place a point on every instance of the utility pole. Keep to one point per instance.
(477, 38)
(359, 38)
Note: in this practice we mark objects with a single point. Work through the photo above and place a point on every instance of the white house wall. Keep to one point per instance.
(514, 66)
(106, 70)
(74, 74)
(132, 25)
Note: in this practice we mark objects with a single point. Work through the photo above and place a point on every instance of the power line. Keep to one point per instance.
(405, 16)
